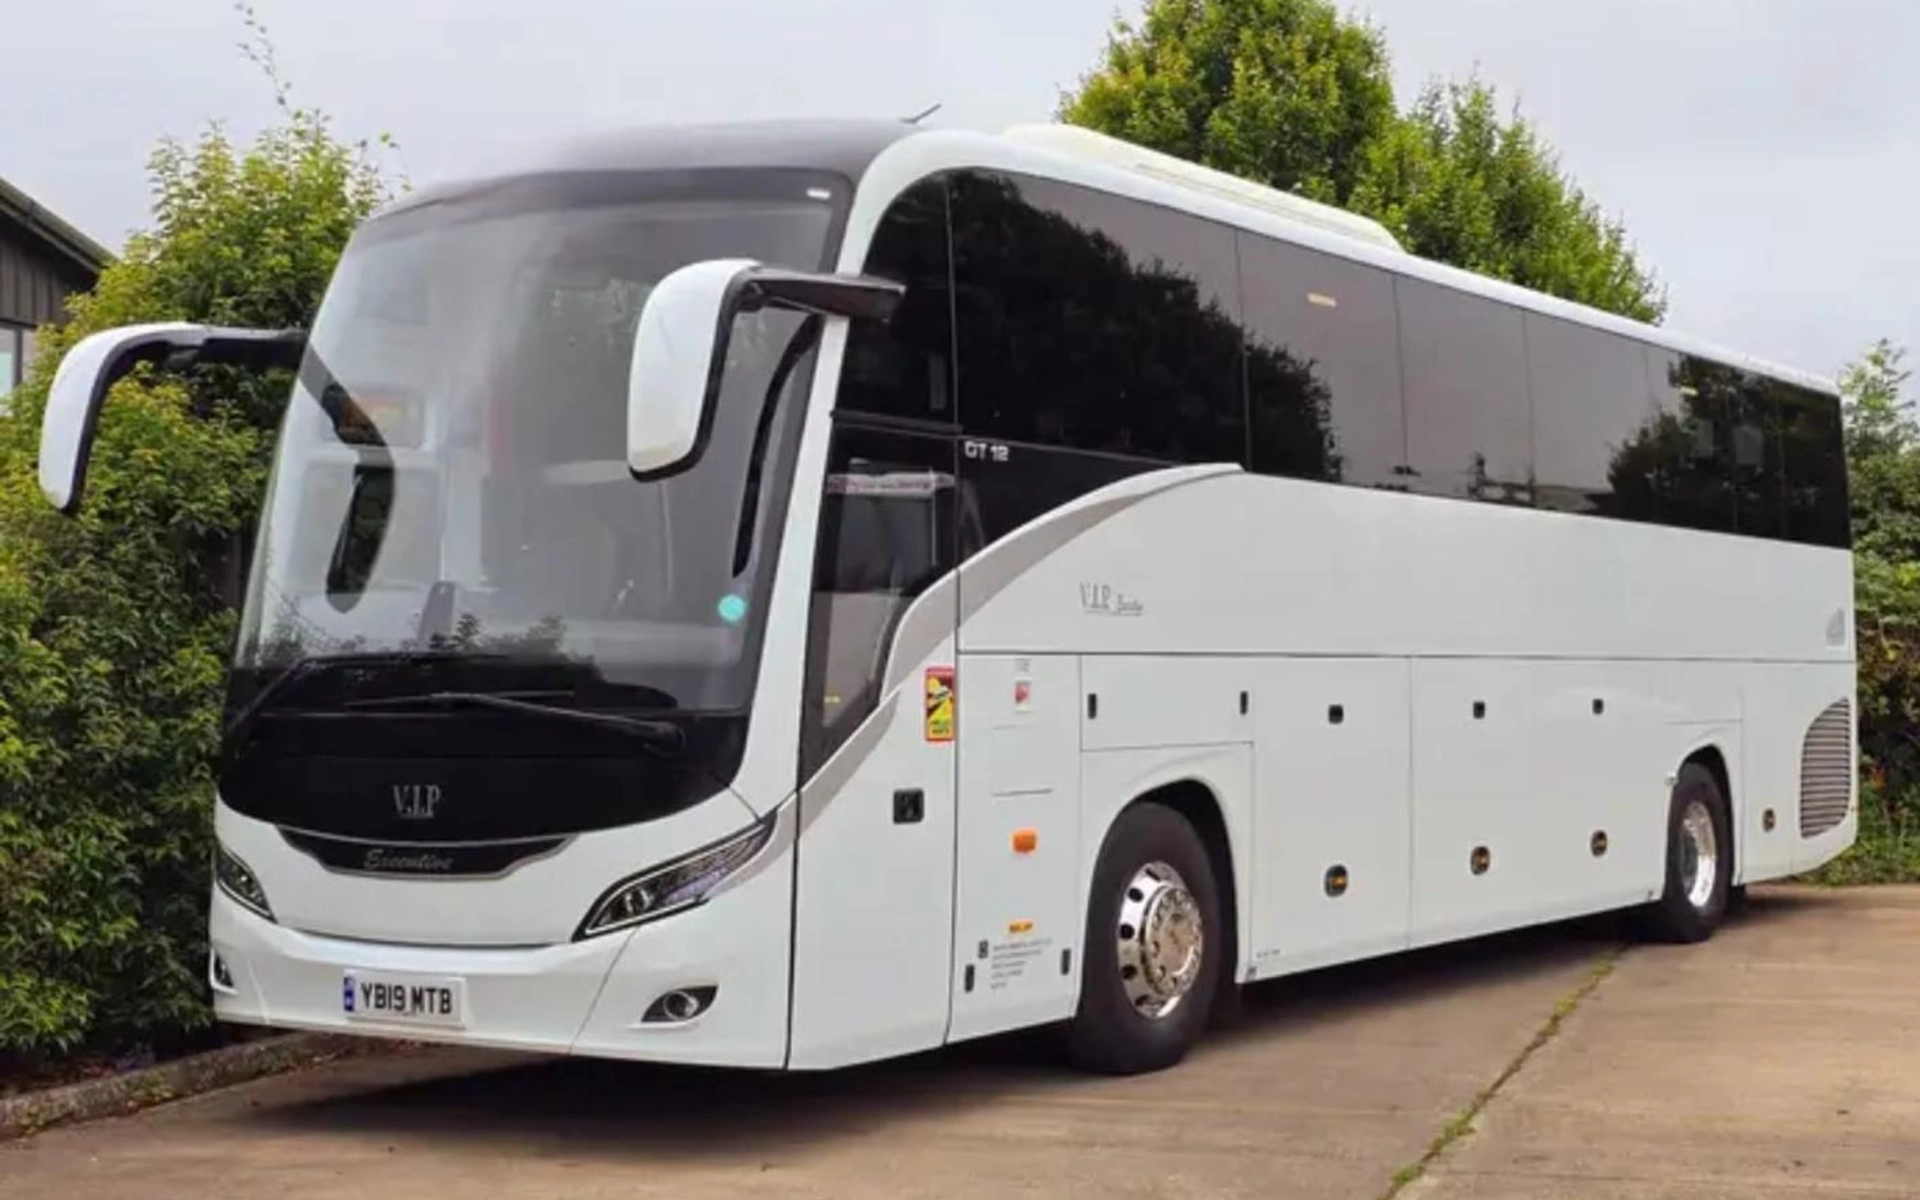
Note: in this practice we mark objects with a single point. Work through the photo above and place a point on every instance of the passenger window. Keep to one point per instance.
(1753, 423)
(1463, 363)
(1686, 455)
(1323, 376)
(1591, 404)
(886, 533)
(1096, 322)
(1813, 468)
(904, 366)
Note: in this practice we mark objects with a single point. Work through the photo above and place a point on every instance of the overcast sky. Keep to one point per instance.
(1764, 153)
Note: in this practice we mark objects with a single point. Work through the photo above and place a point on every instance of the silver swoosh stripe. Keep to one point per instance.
(931, 618)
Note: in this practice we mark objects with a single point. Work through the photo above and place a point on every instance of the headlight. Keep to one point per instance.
(237, 879)
(673, 886)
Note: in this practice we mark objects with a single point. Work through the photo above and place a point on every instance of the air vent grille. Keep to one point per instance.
(1826, 770)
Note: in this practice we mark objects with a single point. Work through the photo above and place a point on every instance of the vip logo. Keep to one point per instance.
(415, 801)
(1105, 600)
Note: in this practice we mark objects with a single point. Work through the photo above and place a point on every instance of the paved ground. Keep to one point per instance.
(1780, 1059)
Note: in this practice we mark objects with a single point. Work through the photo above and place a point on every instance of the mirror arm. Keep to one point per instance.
(861, 297)
(258, 349)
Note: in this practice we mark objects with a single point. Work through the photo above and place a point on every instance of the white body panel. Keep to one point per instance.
(1019, 771)
(1330, 795)
(873, 915)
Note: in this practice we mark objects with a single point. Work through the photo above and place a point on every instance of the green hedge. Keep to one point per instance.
(114, 631)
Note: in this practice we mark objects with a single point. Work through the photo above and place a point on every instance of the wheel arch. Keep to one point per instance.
(1210, 786)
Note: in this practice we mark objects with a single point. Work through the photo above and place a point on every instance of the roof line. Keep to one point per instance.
(82, 250)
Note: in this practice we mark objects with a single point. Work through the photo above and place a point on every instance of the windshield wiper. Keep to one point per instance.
(243, 721)
(664, 736)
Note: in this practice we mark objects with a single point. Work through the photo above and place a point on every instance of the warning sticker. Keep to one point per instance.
(940, 704)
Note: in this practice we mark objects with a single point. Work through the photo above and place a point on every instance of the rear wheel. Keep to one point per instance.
(1151, 965)
(1699, 881)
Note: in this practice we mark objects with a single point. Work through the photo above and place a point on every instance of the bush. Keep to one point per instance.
(114, 628)
(1888, 850)
(1883, 450)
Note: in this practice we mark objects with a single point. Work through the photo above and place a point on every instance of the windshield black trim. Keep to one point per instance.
(492, 777)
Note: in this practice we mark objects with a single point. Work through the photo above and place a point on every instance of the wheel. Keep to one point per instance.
(1149, 972)
(1699, 861)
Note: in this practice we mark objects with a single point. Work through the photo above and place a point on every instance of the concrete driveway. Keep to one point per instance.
(1780, 1059)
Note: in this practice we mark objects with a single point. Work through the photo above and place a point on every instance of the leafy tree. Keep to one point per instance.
(1283, 91)
(1883, 442)
(1288, 93)
(1883, 447)
(113, 627)
(1457, 183)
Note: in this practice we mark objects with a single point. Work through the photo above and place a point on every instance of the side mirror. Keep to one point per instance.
(91, 367)
(680, 347)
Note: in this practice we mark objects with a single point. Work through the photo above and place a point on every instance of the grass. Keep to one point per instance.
(1461, 1123)
(1886, 851)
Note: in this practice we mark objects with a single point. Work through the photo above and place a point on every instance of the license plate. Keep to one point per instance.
(412, 999)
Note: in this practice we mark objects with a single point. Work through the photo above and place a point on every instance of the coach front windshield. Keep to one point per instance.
(451, 473)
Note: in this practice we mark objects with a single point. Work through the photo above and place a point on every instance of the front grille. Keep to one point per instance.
(1826, 769)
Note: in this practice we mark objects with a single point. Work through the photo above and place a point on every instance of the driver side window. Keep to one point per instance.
(887, 509)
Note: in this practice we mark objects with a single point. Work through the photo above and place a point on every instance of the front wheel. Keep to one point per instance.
(1699, 880)
(1153, 951)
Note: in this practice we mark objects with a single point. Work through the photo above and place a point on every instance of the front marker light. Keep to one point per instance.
(673, 886)
(237, 879)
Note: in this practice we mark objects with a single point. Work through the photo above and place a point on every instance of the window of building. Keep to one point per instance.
(1323, 376)
(11, 357)
(1463, 366)
(1095, 322)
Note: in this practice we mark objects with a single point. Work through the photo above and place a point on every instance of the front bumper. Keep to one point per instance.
(582, 997)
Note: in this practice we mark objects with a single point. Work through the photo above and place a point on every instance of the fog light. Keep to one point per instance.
(237, 879)
(681, 1004)
(221, 974)
(673, 886)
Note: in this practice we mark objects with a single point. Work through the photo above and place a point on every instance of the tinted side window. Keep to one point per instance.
(1685, 456)
(1323, 376)
(1030, 482)
(1463, 363)
(904, 367)
(1591, 403)
(1753, 429)
(886, 533)
(1813, 467)
(1096, 322)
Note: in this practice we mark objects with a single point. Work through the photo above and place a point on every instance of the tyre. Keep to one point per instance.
(1154, 946)
(1699, 882)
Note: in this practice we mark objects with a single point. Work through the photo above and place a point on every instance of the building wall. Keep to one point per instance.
(35, 284)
